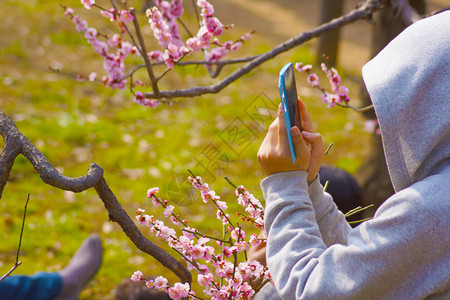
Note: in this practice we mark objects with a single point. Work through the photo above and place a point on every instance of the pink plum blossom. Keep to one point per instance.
(126, 16)
(205, 280)
(68, 12)
(92, 76)
(301, 68)
(88, 3)
(168, 210)
(109, 14)
(137, 276)
(313, 79)
(160, 282)
(151, 192)
(179, 290)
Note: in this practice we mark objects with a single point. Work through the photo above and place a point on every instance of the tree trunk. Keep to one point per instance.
(328, 43)
(373, 176)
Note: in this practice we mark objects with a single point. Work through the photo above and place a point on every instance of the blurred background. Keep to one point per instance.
(75, 123)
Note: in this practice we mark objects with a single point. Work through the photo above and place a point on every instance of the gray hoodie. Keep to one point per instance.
(404, 251)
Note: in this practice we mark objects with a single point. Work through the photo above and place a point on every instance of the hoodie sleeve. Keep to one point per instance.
(333, 226)
(377, 262)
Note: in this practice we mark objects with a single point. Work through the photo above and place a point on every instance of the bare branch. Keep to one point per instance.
(17, 262)
(144, 55)
(358, 110)
(124, 24)
(362, 12)
(16, 143)
(21, 230)
(185, 27)
(10, 271)
(403, 10)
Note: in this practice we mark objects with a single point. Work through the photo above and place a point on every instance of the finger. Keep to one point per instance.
(317, 154)
(314, 138)
(317, 149)
(305, 119)
(301, 150)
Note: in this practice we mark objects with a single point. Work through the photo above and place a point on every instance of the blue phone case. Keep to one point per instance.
(284, 103)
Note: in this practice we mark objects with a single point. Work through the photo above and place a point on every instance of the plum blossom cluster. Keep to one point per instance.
(113, 50)
(140, 99)
(252, 206)
(339, 94)
(177, 291)
(163, 22)
(162, 19)
(215, 260)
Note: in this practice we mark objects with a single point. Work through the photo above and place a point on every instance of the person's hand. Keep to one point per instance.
(274, 153)
(315, 141)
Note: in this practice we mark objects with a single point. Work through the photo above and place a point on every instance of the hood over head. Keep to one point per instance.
(409, 84)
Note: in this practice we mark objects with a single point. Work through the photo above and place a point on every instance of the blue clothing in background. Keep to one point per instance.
(40, 286)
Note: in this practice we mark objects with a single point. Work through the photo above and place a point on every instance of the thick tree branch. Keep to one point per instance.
(7, 158)
(16, 143)
(363, 12)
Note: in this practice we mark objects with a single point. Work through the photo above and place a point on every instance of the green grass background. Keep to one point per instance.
(75, 123)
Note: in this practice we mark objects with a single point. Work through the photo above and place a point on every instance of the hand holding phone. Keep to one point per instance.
(288, 95)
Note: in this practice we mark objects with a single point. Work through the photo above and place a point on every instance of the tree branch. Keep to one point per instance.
(362, 12)
(18, 262)
(7, 158)
(143, 52)
(16, 143)
(403, 11)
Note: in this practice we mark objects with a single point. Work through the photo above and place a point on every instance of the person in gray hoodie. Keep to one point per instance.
(404, 251)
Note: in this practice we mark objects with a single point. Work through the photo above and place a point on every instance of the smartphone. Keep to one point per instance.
(288, 95)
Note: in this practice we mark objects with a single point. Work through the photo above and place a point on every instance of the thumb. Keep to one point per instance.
(302, 152)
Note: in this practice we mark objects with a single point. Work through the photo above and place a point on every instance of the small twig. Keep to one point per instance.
(328, 148)
(144, 55)
(359, 110)
(325, 186)
(131, 72)
(359, 221)
(185, 27)
(125, 25)
(357, 210)
(222, 62)
(230, 182)
(196, 13)
(23, 224)
(10, 271)
(17, 262)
